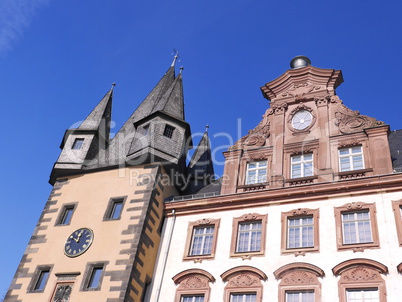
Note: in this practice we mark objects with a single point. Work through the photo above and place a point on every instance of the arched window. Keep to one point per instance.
(360, 280)
(243, 284)
(299, 282)
(193, 285)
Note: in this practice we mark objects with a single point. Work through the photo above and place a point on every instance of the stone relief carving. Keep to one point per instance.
(350, 121)
(249, 216)
(354, 206)
(62, 293)
(255, 137)
(299, 91)
(193, 282)
(244, 280)
(299, 212)
(299, 278)
(360, 274)
(204, 221)
(349, 143)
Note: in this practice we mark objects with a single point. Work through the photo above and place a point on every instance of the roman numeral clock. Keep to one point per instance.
(78, 242)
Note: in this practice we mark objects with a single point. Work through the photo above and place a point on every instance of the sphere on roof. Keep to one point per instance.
(299, 62)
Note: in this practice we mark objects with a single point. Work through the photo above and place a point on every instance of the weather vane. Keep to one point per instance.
(176, 56)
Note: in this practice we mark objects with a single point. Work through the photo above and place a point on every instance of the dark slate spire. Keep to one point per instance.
(172, 102)
(99, 119)
(200, 168)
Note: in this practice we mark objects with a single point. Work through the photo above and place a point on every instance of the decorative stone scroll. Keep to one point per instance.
(255, 137)
(350, 121)
(301, 90)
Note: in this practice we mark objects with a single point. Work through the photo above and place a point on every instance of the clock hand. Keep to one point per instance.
(76, 240)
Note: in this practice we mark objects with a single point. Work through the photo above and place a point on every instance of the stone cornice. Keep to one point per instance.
(303, 193)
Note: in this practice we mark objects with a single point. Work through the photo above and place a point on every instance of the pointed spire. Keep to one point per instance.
(101, 114)
(175, 57)
(172, 102)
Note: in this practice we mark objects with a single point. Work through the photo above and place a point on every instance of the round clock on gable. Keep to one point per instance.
(301, 119)
(78, 242)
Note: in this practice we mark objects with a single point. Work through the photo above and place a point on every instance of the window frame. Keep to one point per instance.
(78, 143)
(350, 156)
(235, 229)
(89, 274)
(242, 280)
(200, 280)
(205, 222)
(60, 221)
(257, 169)
(168, 131)
(300, 213)
(302, 163)
(397, 208)
(360, 274)
(352, 208)
(36, 279)
(299, 276)
(108, 216)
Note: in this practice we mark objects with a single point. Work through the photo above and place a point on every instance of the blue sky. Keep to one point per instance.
(58, 59)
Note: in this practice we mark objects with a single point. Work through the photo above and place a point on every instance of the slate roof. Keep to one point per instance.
(395, 145)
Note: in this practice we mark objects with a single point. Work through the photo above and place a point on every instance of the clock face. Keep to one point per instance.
(78, 242)
(302, 120)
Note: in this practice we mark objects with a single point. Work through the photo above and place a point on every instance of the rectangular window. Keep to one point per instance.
(114, 209)
(43, 276)
(202, 240)
(249, 237)
(363, 295)
(302, 165)
(78, 143)
(93, 276)
(351, 159)
(356, 227)
(397, 208)
(300, 232)
(146, 129)
(192, 298)
(66, 214)
(300, 296)
(256, 172)
(243, 297)
(168, 132)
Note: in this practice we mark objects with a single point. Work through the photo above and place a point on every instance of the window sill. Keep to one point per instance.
(254, 187)
(359, 247)
(301, 180)
(199, 258)
(300, 251)
(353, 173)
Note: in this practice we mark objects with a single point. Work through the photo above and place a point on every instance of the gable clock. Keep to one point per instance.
(78, 242)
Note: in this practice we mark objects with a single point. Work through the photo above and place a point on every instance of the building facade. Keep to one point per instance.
(308, 209)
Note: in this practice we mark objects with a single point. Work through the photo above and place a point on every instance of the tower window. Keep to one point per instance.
(66, 214)
(78, 143)
(94, 275)
(40, 279)
(168, 132)
(114, 208)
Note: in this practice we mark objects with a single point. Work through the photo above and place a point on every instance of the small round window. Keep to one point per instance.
(302, 120)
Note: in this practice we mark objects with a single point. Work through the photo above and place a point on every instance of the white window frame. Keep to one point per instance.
(260, 171)
(357, 227)
(351, 156)
(250, 231)
(206, 239)
(193, 298)
(363, 298)
(306, 165)
(300, 295)
(301, 229)
(243, 296)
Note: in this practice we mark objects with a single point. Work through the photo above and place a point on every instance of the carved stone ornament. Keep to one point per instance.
(193, 282)
(350, 121)
(349, 143)
(250, 216)
(300, 212)
(255, 137)
(302, 151)
(63, 293)
(244, 280)
(299, 278)
(301, 90)
(322, 100)
(360, 274)
(204, 221)
(354, 206)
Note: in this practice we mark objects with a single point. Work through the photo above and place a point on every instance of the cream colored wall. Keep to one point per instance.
(389, 254)
(92, 192)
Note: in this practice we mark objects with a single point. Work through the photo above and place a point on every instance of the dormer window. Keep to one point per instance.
(77, 145)
(351, 158)
(168, 132)
(256, 172)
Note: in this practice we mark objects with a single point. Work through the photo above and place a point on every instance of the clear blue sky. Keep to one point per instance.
(58, 59)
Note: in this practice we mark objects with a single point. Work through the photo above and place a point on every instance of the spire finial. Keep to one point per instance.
(206, 127)
(113, 84)
(181, 69)
(175, 57)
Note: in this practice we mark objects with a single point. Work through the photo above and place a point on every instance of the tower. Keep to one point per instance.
(98, 235)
